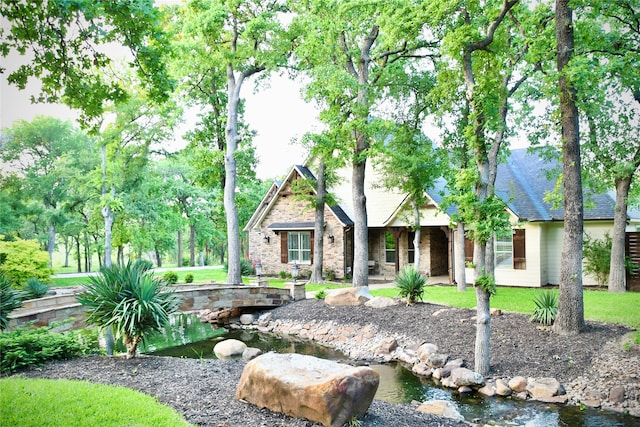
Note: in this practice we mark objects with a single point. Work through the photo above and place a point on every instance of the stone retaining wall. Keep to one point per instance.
(60, 308)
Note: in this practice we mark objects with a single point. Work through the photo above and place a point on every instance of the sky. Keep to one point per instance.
(277, 113)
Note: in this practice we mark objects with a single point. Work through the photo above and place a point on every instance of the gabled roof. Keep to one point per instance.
(523, 184)
(272, 195)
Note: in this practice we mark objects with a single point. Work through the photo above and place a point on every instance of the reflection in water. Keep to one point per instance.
(398, 384)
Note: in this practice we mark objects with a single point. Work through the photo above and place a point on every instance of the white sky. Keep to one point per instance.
(277, 113)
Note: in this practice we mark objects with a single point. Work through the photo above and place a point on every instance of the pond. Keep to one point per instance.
(188, 337)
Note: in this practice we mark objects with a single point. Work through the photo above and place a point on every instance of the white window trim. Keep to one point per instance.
(300, 250)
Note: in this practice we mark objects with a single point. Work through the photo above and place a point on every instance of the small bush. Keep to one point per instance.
(546, 308)
(410, 284)
(284, 274)
(22, 259)
(35, 289)
(188, 278)
(143, 264)
(321, 294)
(246, 267)
(23, 348)
(329, 274)
(10, 299)
(170, 277)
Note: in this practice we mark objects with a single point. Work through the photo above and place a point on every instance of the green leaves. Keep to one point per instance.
(129, 299)
(546, 308)
(410, 283)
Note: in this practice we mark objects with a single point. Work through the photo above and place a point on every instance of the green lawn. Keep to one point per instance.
(598, 305)
(43, 402)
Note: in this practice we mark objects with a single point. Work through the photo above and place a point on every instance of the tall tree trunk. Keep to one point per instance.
(417, 235)
(617, 272)
(201, 259)
(158, 257)
(67, 249)
(51, 244)
(460, 261)
(570, 318)
(87, 253)
(179, 247)
(192, 245)
(107, 214)
(234, 275)
(318, 243)
(78, 253)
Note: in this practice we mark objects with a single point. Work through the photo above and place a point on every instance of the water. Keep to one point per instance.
(187, 337)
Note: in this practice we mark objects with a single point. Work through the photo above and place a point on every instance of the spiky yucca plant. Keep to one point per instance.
(10, 299)
(546, 308)
(130, 300)
(410, 284)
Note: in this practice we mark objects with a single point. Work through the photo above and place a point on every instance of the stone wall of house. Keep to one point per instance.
(289, 210)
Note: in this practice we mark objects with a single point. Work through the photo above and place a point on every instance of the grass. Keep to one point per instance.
(599, 305)
(43, 402)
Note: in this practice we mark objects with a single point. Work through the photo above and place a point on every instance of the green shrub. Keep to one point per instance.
(188, 278)
(23, 348)
(170, 277)
(10, 299)
(329, 274)
(546, 308)
(246, 267)
(130, 301)
(597, 257)
(284, 274)
(410, 284)
(143, 264)
(23, 259)
(321, 294)
(35, 289)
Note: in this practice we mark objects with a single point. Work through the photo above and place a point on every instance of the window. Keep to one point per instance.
(390, 247)
(411, 235)
(519, 252)
(504, 250)
(299, 247)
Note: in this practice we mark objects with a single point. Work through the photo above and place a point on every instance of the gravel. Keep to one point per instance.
(203, 390)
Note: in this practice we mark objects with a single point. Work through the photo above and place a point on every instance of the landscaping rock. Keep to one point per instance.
(518, 384)
(349, 296)
(251, 353)
(247, 318)
(543, 387)
(502, 388)
(229, 348)
(466, 377)
(302, 386)
(437, 360)
(442, 408)
(381, 302)
(425, 350)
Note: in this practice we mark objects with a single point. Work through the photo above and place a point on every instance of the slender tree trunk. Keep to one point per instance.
(617, 272)
(87, 253)
(78, 253)
(201, 259)
(179, 247)
(158, 257)
(131, 344)
(234, 275)
(192, 245)
(318, 243)
(51, 244)
(460, 263)
(67, 249)
(107, 214)
(482, 355)
(570, 318)
(417, 235)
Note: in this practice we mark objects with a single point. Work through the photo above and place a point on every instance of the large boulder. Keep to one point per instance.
(543, 387)
(319, 390)
(229, 348)
(466, 377)
(349, 296)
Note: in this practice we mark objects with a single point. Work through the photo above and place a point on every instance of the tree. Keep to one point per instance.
(130, 300)
(237, 40)
(484, 57)
(66, 46)
(46, 152)
(348, 49)
(608, 88)
(570, 318)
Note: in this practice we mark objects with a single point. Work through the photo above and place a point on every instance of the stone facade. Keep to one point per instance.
(289, 210)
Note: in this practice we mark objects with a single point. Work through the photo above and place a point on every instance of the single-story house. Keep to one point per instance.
(281, 230)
